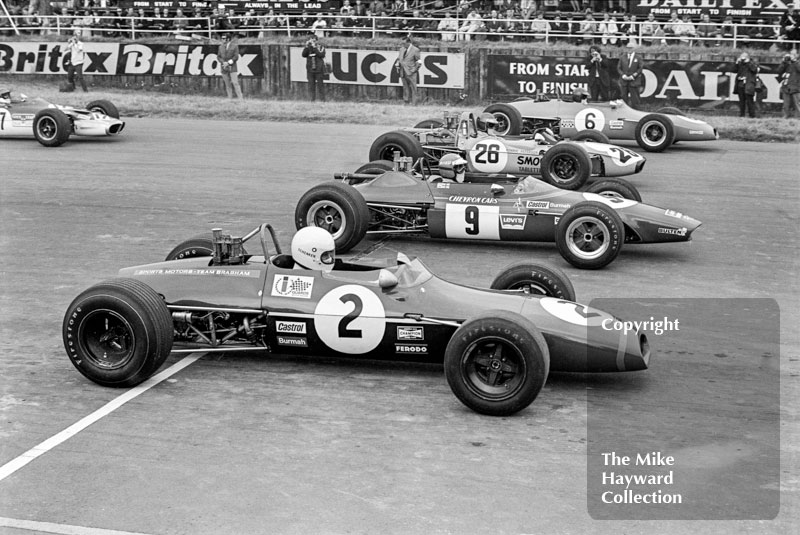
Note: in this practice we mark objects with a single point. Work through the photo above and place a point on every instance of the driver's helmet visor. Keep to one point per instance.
(460, 168)
(327, 258)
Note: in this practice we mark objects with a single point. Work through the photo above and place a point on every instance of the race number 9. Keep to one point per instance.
(590, 119)
(472, 221)
(350, 319)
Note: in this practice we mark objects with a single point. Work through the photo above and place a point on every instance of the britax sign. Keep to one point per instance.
(126, 59)
(376, 67)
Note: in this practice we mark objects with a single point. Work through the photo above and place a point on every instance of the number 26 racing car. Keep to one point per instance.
(52, 125)
(498, 345)
(589, 229)
(566, 164)
(615, 120)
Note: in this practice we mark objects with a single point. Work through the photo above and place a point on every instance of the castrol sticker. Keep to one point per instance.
(350, 319)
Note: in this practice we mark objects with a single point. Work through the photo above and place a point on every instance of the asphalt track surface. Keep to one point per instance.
(252, 443)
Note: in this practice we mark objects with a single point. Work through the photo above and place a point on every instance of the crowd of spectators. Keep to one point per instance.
(581, 22)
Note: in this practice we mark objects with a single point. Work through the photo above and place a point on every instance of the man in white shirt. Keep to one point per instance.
(76, 58)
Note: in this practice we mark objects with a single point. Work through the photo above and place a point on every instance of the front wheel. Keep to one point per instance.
(378, 167)
(338, 208)
(399, 141)
(615, 187)
(566, 166)
(496, 363)
(105, 107)
(654, 133)
(669, 110)
(51, 127)
(591, 135)
(509, 119)
(590, 235)
(536, 279)
(118, 333)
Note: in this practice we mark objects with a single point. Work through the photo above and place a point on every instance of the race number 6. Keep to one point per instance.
(590, 119)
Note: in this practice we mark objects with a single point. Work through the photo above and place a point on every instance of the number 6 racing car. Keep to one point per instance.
(52, 125)
(498, 346)
(588, 228)
(566, 164)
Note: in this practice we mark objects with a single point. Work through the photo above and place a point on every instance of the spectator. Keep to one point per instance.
(540, 28)
(407, 64)
(609, 30)
(789, 76)
(471, 25)
(649, 29)
(494, 26)
(318, 27)
(707, 31)
(512, 25)
(314, 52)
(448, 27)
(180, 23)
(745, 85)
(633, 32)
(672, 27)
(630, 77)
(685, 31)
(790, 27)
(588, 28)
(599, 80)
(77, 57)
(761, 34)
(728, 29)
(303, 22)
(346, 10)
(228, 56)
(527, 8)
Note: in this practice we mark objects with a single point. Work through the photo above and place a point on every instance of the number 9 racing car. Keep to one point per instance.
(498, 345)
(566, 164)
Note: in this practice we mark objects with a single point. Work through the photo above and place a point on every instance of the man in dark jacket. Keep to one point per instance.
(314, 53)
(630, 77)
(599, 80)
(745, 88)
(789, 76)
(790, 27)
(407, 64)
(228, 55)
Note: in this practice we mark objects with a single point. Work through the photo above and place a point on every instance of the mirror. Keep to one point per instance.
(386, 279)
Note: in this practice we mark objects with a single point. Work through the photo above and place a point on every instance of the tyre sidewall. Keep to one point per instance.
(555, 282)
(602, 214)
(666, 125)
(579, 156)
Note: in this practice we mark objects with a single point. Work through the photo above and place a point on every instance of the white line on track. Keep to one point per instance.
(42, 448)
(60, 529)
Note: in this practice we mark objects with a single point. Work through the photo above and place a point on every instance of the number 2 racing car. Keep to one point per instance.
(566, 164)
(569, 118)
(52, 125)
(497, 345)
(589, 229)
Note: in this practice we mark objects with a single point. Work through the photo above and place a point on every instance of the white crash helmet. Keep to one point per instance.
(485, 122)
(314, 248)
(453, 166)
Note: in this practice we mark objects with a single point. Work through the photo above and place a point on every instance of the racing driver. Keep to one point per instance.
(313, 248)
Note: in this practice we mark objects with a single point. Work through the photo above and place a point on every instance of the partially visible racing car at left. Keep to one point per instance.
(51, 124)
(565, 164)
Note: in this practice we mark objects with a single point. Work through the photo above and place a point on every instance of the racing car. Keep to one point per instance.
(588, 228)
(566, 164)
(497, 345)
(51, 124)
(576, 118)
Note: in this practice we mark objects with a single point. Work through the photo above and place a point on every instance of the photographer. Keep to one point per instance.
(789, 76)
(76, 58)
(314, 53)
(745, 88)
(228, 55)
(599, 78)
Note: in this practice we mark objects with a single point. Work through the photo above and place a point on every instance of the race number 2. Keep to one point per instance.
(350, 319)
(590, 119)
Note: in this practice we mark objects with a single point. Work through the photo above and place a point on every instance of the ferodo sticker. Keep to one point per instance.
(590, 119)
(488, 156)
(350, 319)
(574, 312)
(613, 202)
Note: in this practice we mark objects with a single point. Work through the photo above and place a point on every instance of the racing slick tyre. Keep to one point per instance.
(669, 110)
(591, 135)
(118, 333)
(378, 167)
(192, 248)
(590, 235)
(51, 127)
(338, 208)
(509, 119)
(654, 133)
(387, 144)
(615, 187)
(430, 123)
(105, 107)
(534, 279)
(497, 362)
(566, 166)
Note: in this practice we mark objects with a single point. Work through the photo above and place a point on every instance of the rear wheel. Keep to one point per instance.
(509, 119)
(590, 235)
(338, 208)
(535, 279)
(496, 363)
(51, 127)
(566, 166)
(615, 187)
(591, 135)
(104, 107)
(669, 110)
(192, 248)
(654, 133)
(430, 123)
(118, 333)
(377, 167)
(387, 144)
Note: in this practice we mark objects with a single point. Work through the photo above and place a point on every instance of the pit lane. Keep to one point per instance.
(247, 444)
